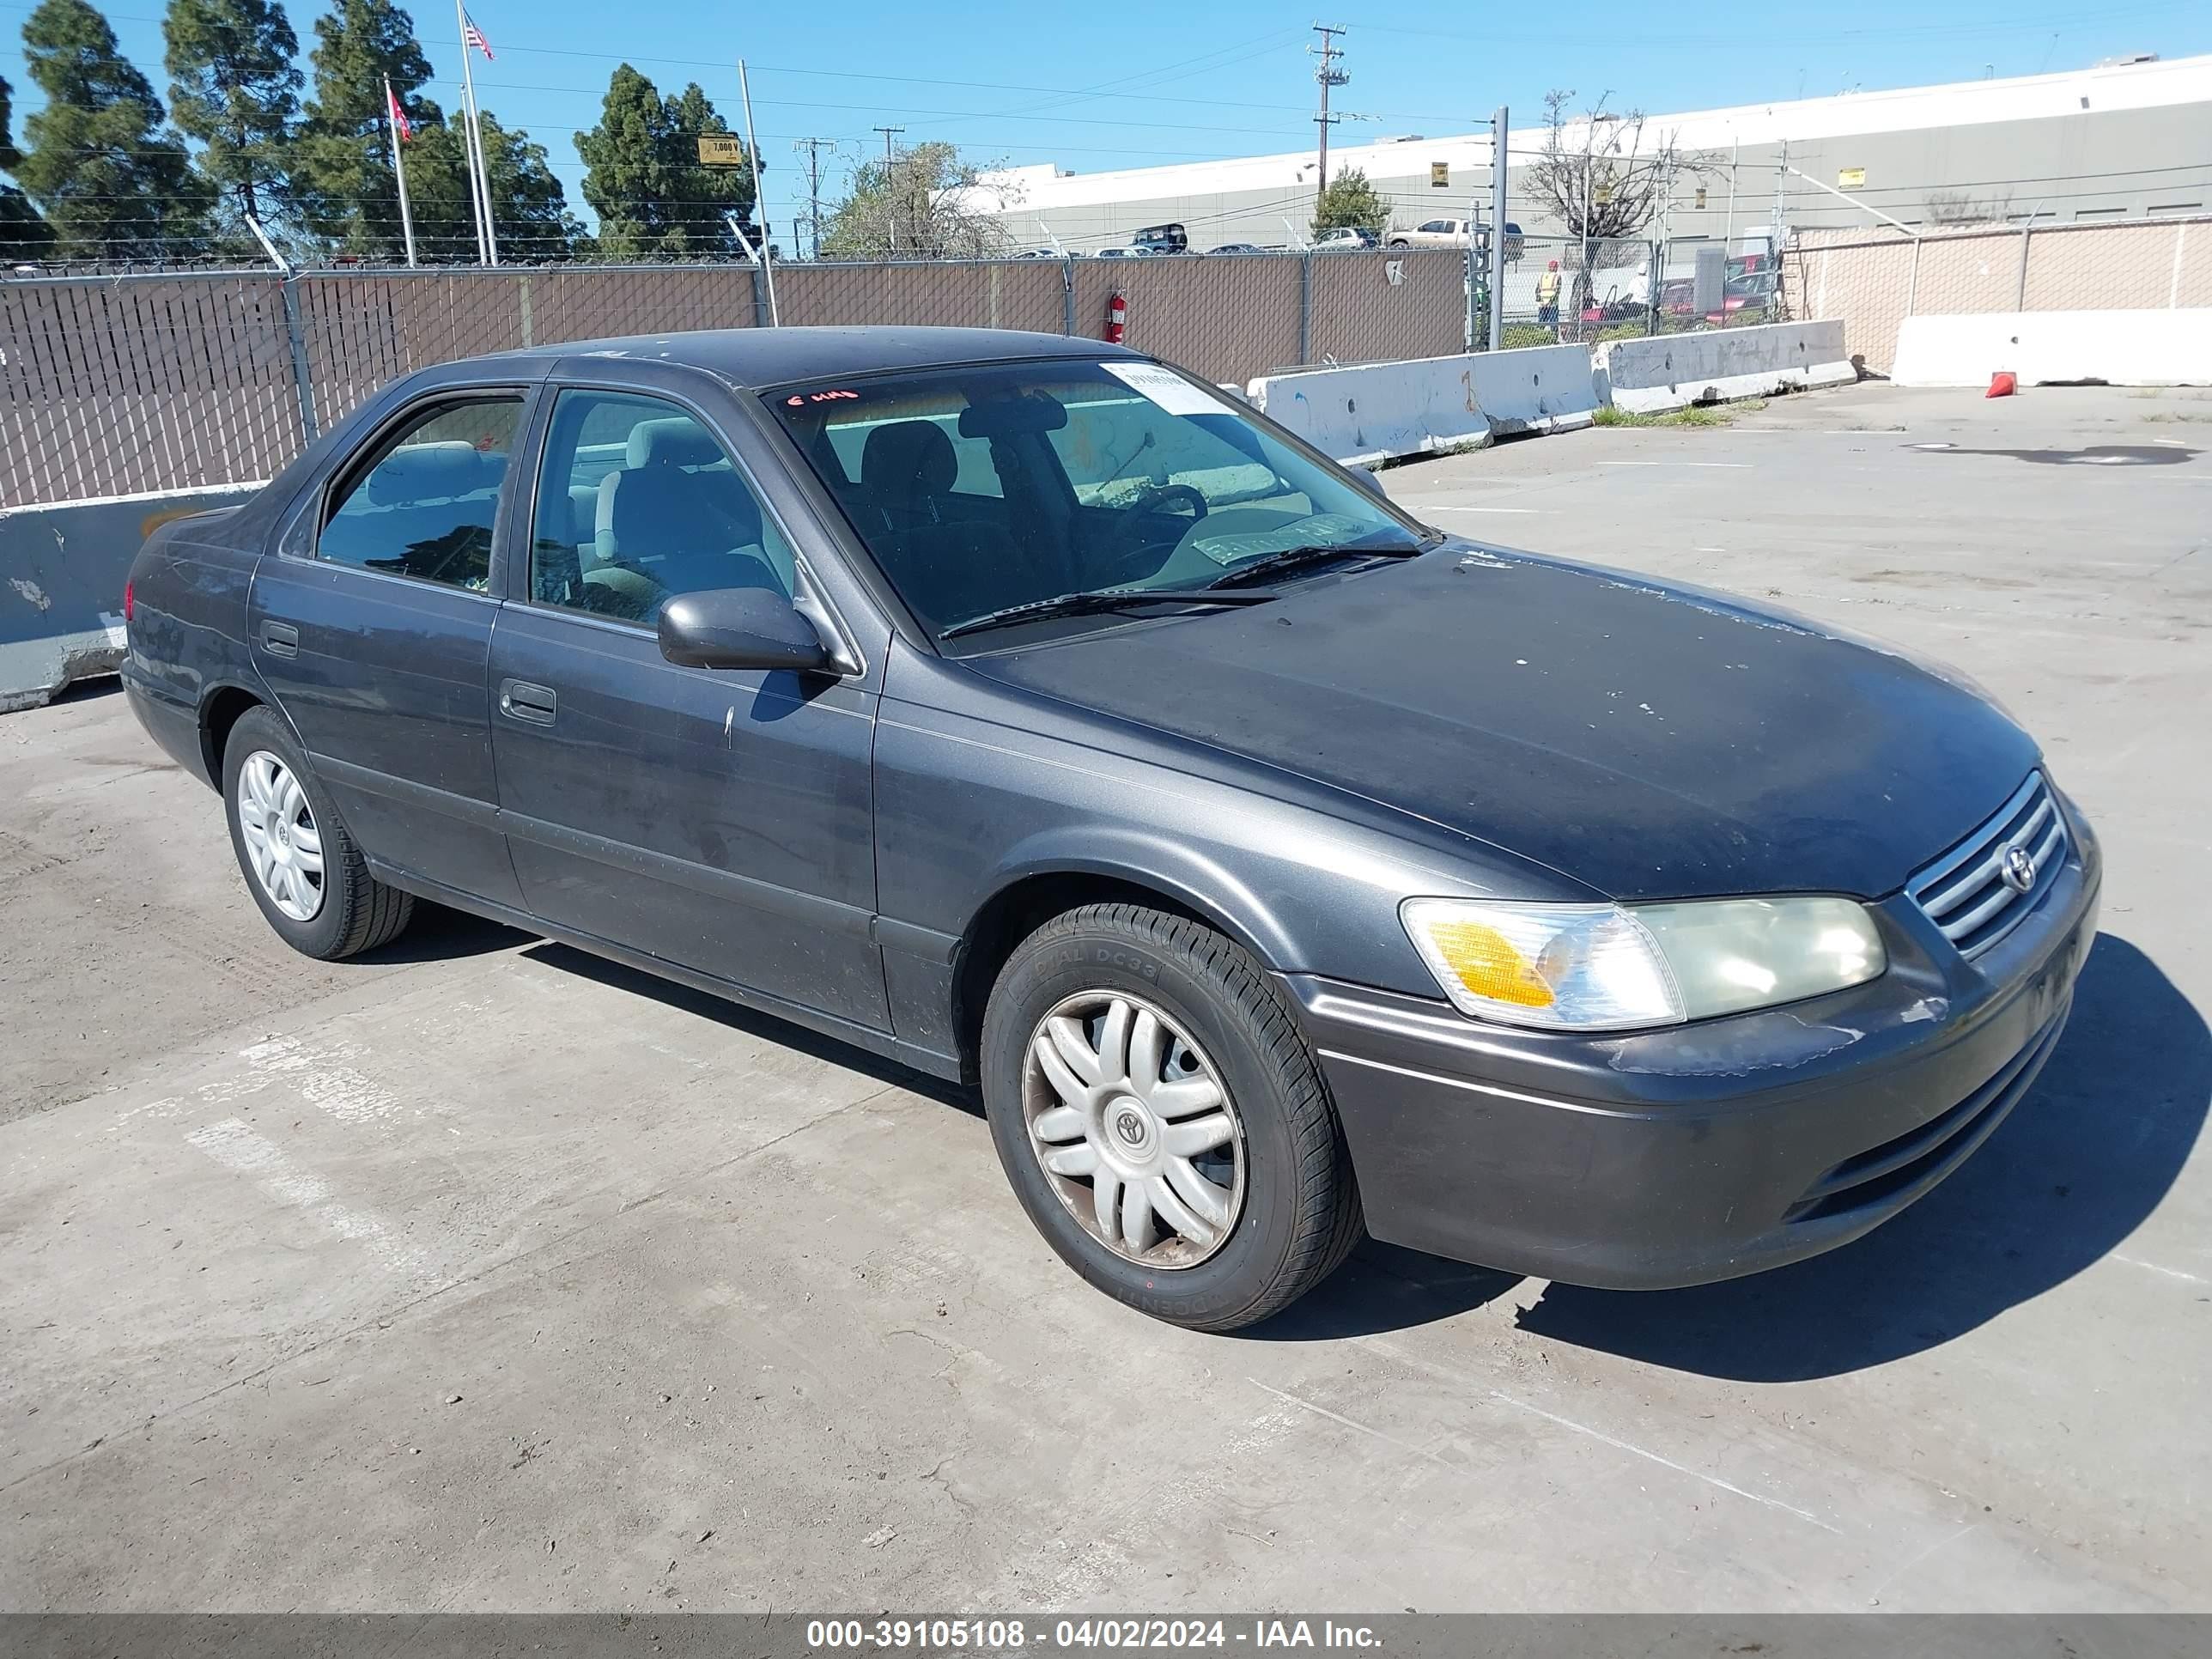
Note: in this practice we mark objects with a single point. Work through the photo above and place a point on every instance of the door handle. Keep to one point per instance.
(280, 638)
(520, 700)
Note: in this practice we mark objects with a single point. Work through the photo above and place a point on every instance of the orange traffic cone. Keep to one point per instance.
(2003, 384)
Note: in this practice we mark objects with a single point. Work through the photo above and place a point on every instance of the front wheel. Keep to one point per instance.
(1161, 1120)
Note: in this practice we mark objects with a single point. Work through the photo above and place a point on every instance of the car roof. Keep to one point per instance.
(750, 358)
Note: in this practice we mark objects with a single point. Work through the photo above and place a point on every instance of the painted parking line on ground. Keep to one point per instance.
(1741, 465)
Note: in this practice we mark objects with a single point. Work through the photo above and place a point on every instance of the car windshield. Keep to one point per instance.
(981, 488)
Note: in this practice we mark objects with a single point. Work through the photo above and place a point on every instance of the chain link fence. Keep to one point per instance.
(1874, 281)
(1563, 290)
(139, 383)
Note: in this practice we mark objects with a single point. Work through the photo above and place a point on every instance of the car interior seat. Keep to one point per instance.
(675, 518)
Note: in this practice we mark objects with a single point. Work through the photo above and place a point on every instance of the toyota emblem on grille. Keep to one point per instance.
(2018, 869)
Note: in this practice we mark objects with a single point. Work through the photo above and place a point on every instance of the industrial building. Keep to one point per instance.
(2124, 139)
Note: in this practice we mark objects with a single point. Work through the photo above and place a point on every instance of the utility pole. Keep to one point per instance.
(1326, 73)
(814, 146)
(890, 201)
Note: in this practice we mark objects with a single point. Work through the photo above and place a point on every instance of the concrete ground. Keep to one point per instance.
(480, 1276)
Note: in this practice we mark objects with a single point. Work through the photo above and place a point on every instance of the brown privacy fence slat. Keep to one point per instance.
(129, 384)
(1873, 279)
(124, 385)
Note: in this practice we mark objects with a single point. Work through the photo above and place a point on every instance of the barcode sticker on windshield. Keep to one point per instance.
(1164, 387)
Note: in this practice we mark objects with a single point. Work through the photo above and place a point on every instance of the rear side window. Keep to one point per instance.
(424, 506)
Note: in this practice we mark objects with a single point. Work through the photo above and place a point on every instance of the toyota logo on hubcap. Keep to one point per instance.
(1130, 1128)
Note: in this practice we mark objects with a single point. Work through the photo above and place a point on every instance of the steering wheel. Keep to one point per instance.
(1161, 493)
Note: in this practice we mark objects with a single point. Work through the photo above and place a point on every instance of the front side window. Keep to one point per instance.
(637, 503)
(980, 488)
(424, 506)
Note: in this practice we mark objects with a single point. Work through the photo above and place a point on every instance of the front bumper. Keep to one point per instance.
(1703, 1151)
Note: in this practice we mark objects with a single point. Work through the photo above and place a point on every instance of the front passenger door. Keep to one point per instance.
(720, 820)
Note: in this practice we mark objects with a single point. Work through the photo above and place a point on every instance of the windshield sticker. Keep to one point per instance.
(1162, 386)
(1321, 530)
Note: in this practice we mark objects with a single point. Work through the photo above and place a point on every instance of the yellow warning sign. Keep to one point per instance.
(1440, 175)
(1851, 179)
(721, 149)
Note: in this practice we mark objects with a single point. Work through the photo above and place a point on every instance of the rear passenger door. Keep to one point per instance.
(372, 627)
(720, 820)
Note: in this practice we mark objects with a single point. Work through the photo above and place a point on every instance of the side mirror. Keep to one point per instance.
(1369, 481)
(741, 628)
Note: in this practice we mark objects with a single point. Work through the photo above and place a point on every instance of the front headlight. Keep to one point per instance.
(1615, 968)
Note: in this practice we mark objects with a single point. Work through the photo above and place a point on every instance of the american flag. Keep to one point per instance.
(399, 123)
(473, 36)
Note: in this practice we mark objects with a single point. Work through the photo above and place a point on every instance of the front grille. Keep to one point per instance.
(1971, 894)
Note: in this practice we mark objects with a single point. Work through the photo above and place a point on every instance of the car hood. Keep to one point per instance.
(1649, 740)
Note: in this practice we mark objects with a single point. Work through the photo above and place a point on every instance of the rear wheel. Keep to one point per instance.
(299, 864)
(1161, 1121)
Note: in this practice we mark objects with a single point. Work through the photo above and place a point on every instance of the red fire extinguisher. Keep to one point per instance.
(1117, 319)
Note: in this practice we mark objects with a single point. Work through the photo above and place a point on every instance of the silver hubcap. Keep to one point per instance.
(1134, 1129)
(281, 843)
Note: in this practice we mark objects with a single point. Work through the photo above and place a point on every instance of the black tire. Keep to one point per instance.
(358, 912)
(1301, 1209)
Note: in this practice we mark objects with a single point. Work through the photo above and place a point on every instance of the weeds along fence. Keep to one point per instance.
(124, 385)
(1873, 280)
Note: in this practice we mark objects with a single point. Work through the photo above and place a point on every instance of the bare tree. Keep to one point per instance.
(926, 203)
(1607, 180)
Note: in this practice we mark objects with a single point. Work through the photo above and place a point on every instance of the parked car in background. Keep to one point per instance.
(1454, 233)
(1345, 236)
(1237, 247)
(1125, 253)
(1275, 865)
(1161, 239)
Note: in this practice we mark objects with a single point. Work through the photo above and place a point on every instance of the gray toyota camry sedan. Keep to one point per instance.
(1028, 710)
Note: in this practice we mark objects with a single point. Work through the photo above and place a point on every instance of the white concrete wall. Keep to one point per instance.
(1371, 412)
(2120, 347)
(1672, 371)
(62, 571)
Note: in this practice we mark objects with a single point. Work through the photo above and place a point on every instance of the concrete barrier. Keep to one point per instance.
(62, 570)
(2042, 348)
(1672, 371)
(1370, 412)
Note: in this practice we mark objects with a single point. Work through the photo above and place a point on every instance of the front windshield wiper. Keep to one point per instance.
(1291, 558)
(1086, 603)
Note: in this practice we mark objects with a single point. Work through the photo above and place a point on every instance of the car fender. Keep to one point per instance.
(1176, 869)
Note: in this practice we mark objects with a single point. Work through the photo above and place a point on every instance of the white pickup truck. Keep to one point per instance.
(1450, 233)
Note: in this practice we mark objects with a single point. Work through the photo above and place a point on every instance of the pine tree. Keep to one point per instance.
(232, 86)
(644, 179)
(113, 182)
(342, 167)
(529, 208)
(23, 233)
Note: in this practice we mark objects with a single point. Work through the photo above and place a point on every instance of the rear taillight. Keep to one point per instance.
(127, 588)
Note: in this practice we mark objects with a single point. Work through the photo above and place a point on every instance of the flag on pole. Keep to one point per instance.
(473, 36)
(399, 122)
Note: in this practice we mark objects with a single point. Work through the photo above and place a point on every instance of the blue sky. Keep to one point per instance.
(1135, 84)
